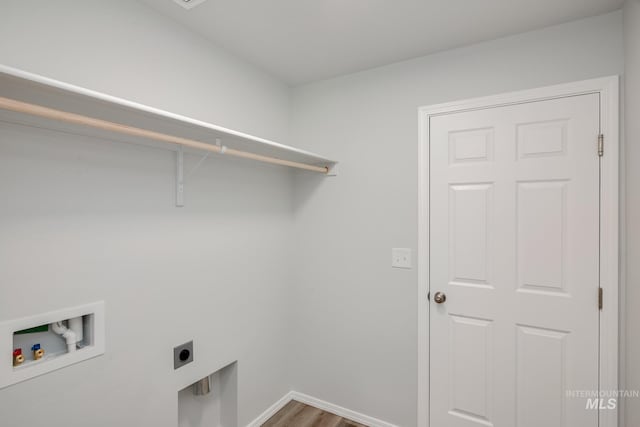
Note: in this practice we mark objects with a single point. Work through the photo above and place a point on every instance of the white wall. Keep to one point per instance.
(631, 160)
(83, 220)
(356, 317)
(126, 49)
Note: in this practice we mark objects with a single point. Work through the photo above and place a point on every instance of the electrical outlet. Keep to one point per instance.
(182, 355)
(401, 258)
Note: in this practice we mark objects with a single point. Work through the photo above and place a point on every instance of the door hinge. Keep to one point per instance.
(600, 297)
(601, 145)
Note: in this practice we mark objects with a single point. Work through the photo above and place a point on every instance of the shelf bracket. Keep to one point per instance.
(180, 177)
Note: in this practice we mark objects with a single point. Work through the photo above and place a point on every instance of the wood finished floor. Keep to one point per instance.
(296, 414)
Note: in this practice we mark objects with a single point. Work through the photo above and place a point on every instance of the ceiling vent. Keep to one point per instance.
(189, 4)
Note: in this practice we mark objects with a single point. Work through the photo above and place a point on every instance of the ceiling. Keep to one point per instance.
(300, 41)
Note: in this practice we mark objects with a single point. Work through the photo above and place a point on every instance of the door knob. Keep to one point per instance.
(439, 297)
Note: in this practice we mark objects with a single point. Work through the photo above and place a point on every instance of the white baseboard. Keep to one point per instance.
(271, 410)
(320, 404)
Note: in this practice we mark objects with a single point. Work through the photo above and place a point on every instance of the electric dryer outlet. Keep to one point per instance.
(182, 355)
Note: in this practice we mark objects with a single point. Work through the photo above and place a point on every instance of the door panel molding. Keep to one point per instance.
(477, 146)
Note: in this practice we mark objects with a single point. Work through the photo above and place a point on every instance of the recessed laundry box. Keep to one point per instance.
(38, 344)
(217, 407)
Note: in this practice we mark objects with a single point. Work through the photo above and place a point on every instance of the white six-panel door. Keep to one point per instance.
(514, 248)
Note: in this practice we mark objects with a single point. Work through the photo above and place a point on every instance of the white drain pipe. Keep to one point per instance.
(67, 334)
(75, 325)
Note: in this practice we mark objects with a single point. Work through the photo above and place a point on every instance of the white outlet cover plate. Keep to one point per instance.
(401, 258)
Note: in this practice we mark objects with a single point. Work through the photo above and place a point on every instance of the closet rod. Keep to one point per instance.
(53, 114)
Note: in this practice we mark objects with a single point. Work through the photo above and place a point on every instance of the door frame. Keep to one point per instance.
(608, 89)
